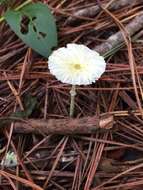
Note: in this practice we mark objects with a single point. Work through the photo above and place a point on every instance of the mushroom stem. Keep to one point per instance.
(72, 103)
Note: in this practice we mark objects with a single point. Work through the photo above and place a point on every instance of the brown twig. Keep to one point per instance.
(85, 125)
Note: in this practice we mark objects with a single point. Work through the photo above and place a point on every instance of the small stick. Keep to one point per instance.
(85, 125)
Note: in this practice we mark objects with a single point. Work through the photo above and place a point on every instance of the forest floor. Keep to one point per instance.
(109, 158)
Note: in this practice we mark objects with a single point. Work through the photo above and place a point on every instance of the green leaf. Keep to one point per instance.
(35, 25)
(3, 1)
(30, 104)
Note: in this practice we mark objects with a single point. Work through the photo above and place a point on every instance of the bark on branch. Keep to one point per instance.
(94, 10)
(85, 125)
(134, 26)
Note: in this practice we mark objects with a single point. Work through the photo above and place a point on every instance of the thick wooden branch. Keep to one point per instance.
(134, 26)
(94, 10)
(85, 125)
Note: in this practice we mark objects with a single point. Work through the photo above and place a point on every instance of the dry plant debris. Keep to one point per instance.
(106, 159)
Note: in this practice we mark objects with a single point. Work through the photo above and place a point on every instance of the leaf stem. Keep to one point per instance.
(17, 8)
(72, 103)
